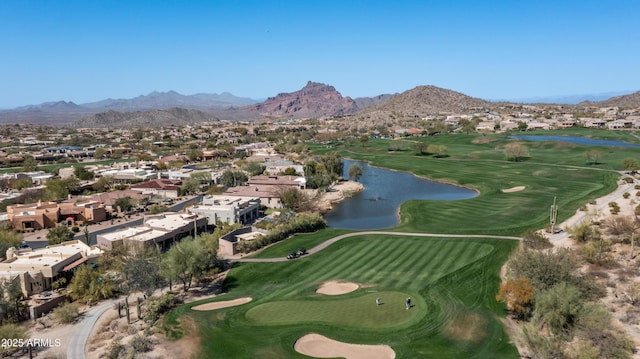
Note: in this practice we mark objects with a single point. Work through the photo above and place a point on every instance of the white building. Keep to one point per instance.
(228, 209)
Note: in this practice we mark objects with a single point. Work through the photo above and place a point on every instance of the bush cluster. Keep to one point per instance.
(303, 223)
(160, 305)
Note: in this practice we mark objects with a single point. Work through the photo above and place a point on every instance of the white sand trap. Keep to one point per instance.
(220, 305)
(513, 189)
(319, 346)
(334, 287)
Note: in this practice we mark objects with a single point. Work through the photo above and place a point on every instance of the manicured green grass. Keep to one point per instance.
(452, 281)
(447, 278)
(306, 240)
(355, 312)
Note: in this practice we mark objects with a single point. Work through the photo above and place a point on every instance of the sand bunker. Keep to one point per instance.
(319, 346)
(334, 287)
(513, 189)
(220, 305)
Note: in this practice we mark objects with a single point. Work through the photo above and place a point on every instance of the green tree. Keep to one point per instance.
(83, 174)
(10, 297)
(254, 168)
(593, 156)
(558, 308)
(332, 163)
(91, 285)
(142, 271)
(363, 139)
(29, 164)
(419, 147)
(516, 150)
(59, 234)
(233, 178)
(522, 126)
(56, 189)
(157, 208)
(124, 203)
(100, 153)
(289, 171)
(355, 171)
(21, 183)
(8, 239)
(544, 269)
(190, 186)
(292, 198)
(184, 262)
(104, 183)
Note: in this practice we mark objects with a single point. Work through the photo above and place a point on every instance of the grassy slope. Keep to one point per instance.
(455, 279)
(422, 268)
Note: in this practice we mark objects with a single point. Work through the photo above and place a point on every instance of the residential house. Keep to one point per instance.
(161, 230)
(228, 209)
(159, 187)
(37, 269)
(41, 215)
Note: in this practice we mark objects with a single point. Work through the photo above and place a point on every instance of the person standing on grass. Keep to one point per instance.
(378, 300)
(408, 302)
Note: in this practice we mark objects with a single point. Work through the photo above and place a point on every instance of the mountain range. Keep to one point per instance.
(314, 100)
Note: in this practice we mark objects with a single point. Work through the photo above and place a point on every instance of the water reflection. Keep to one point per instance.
(377, 206)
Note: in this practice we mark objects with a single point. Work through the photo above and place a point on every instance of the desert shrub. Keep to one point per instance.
(628, 179)
(557, 308)
(115, 351)
(626, 195)
(534, 240)
(66, 312)
(584, 232)
(597, 252)
(141, 344)
(160, 305)
(614, 208)
(11, 331)
(544, 269)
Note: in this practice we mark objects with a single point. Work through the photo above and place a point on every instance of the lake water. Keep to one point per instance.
(579, 140)
(384, 191)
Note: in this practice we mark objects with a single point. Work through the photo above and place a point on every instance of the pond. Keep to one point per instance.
(579, 140)
(384, 191)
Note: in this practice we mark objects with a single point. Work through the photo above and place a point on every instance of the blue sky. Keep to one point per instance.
(88, 50)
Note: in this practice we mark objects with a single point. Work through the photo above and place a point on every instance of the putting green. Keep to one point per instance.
(357, 312)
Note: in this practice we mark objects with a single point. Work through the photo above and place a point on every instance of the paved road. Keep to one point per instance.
(602, 205)
(78, 343)
(329, 242)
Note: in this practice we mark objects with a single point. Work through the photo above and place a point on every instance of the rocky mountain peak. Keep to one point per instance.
(313, 100)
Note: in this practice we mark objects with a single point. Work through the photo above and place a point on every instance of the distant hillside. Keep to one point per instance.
(165, 100)
(628, 101)
(364, 102)
(315, 100)
(151, 118)
(425, 100)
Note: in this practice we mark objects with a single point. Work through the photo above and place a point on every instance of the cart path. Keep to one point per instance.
(76, 348)
(329, 242)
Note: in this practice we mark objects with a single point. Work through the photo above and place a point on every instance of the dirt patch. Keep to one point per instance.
(336, 288)
(319, 346)
(468, 327)
(224, 304)
(336, 193)
(513, 189)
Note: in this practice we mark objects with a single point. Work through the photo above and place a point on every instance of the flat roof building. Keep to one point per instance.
(161, 230)
(228, 209)
(36, 269)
